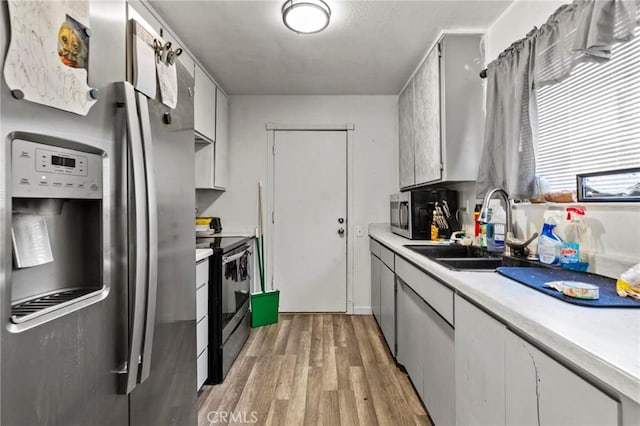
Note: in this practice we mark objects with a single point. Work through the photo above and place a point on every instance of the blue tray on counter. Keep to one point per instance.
(536, 277)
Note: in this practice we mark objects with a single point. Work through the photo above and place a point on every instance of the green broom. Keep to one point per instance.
(264, 305)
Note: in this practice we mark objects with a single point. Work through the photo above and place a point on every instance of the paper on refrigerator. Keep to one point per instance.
(48, 57)
(144, 60)
(168, 81)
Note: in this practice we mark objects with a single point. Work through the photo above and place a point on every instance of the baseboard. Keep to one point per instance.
(362, 310)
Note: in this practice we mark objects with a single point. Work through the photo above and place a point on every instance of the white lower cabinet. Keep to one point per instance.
(376, 266)
(501, 379)
(541, 391)
(426, 345)
(439, 368)
(202, 366)
(388, 306)
(411, 346)
(202, 322)
(479, 371)
(374, 248)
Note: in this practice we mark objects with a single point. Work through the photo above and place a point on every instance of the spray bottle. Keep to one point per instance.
(549, 243)
(576, 248)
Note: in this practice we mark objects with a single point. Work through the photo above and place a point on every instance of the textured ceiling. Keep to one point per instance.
(370, 47)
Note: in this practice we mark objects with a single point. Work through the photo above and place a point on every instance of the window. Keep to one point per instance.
(591, 121)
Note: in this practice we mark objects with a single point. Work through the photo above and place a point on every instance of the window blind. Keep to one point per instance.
(590, 122)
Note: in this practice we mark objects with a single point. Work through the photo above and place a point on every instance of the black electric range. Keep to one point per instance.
(230, 277)
(226, 244)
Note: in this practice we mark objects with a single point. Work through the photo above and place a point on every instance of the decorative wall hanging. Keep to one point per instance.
(48, 57)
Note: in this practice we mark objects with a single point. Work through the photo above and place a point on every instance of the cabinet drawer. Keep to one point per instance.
(387, 256)
(202, 371)
(374, 247)
(437, 295)
(202, 273)
(202, 302)
(202, 335)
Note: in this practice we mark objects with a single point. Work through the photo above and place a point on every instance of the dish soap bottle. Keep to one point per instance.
(496, 230)
(483, 228)
(577, 242)
(549, 244)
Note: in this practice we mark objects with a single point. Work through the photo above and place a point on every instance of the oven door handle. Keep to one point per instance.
(404, 211)
(229, 259)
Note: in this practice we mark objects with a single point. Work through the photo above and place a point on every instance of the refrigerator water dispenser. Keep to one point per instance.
(57, 229)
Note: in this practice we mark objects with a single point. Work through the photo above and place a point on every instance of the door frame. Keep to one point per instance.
(271, 128)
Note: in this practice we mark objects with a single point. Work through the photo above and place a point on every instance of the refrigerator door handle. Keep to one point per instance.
(152, 228)
(137, 265)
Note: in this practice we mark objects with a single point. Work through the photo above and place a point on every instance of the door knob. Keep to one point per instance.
(340, 220)
(341, 232)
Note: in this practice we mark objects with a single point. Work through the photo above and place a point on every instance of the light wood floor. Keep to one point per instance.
(329, 369)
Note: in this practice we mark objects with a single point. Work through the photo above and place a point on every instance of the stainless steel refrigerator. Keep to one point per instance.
(101, 332)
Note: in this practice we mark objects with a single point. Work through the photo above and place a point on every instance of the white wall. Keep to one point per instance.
(375, 157)
(516, 21)
(615, 226)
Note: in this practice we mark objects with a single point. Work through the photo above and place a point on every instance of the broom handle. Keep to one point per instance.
(258, 249)
(262, 261)
(260, 243)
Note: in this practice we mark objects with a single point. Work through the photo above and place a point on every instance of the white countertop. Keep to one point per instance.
(603, 343)
(202, 254)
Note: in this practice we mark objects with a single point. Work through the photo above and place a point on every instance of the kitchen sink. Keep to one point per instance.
(478, 263)
(450, 251)
(483, 263)
(468, 258)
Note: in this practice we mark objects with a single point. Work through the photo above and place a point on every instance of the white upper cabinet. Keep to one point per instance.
(211, 125)
(222, 141)
(204, 107)
(406, 136)
(426, 119)
(440, 114)
(204, 164)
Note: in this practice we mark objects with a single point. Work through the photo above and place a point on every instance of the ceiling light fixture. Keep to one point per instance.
(306, 16)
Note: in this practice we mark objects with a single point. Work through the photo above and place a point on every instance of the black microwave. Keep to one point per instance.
(412, 211)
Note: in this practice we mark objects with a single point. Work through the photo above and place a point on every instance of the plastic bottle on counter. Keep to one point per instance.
(496, 231)
(576, 247)
(483, 228)
(476, 221)
(549, 243)
(434, 226)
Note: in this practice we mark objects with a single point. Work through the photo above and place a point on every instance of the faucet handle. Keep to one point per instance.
(519, 244)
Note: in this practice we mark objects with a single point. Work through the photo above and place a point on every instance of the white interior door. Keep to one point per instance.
(310, 201)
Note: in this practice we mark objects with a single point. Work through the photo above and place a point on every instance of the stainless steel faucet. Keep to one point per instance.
(509, 241)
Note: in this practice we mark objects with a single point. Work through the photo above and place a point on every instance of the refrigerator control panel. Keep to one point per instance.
(45, 171)
(58, 162)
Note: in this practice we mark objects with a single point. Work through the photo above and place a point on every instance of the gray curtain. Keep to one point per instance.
(508, 157)
(583, 31)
